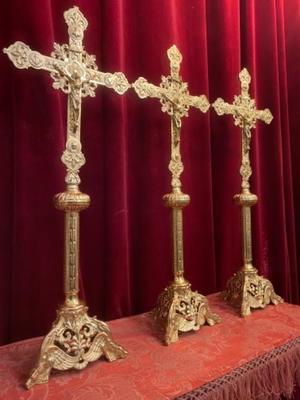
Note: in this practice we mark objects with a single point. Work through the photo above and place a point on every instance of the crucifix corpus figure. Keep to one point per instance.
(75, 339)
(179, 309)
(246, 289)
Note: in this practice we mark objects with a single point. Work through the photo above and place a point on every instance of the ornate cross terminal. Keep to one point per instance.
(246, 289)
(75, 339)
(178, 308)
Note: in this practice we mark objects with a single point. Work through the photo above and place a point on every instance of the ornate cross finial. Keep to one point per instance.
(175, 100)
(175, 58)
(245, 115)
(75, 72)
(77, 24)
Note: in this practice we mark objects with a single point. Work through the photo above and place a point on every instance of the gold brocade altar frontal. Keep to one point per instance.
(77, 339)
(223, 362)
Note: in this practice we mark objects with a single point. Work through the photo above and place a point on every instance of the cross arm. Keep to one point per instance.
(145, 89)
(200, 102)
(116, 81)
(221, 107)
(264, 115)
(23, 57)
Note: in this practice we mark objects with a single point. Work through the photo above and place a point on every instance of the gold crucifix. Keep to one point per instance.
(178, 308)
(75, 339)
(246, 289)
(75, 72)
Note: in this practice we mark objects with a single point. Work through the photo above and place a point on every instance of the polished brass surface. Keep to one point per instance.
(75, 339)
(179, 309)
(246, 289)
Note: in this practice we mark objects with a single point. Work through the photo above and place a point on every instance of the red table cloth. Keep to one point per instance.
(241, 358)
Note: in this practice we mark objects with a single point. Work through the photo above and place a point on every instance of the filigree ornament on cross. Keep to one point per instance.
(75, 339)
(246, 289)
(179, 309)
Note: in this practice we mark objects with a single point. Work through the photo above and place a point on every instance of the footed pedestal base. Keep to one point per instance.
(179, 309)
(246, 290)
(75, 340)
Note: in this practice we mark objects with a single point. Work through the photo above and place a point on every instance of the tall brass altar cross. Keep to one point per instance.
(75, 339)
(246, 289)
(178, 308)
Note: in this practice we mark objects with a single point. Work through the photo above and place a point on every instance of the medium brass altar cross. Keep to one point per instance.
(246, 289)
(178, 308)
(75, 339)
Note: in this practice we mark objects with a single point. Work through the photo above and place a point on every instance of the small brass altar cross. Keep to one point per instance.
(178, 308)
(75, 339)
(246, 289)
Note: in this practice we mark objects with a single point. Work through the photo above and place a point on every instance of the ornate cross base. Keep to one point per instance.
(179, 309)
(246, 290)
(75, 340)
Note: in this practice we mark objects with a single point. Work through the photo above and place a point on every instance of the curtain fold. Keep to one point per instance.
(264, 53)
(125, 234)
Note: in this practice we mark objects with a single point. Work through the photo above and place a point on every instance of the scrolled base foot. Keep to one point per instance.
(74, 341)
(246, 290)
(179, 309)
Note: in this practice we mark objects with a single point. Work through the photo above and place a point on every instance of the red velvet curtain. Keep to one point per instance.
(125, 234)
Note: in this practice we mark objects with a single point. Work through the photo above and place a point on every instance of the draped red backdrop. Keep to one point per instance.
(125, 234)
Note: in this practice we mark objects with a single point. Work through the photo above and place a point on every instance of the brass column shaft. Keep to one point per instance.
(177, 226)
(247, 237)
(71, 258)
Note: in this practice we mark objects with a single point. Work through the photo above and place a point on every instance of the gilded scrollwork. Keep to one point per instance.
(200, 102)
(176, 168)
(174, 98)
(77, 24)
(74, 159)
(145, 89)
(175, 58)
(72, 278)
(74, 341)
(179, 309)
(245, 172)
(249, 290)
(71, 74)
(36, 60)
(19, 53)
(116, 81)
